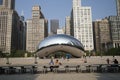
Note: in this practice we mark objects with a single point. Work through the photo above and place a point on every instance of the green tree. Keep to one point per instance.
(18, 53)
(2, 55)
(113, 51)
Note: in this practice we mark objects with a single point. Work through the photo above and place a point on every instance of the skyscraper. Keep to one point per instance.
(102, 38)
(54, 24)
(114, 22)
(37, 29)
(118, 7)
(67, 26)
(22, 33)
(8, 4)
(9, 23)
(82, 24)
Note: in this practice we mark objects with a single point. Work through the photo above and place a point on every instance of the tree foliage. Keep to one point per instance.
(113, 51)
(17, 53)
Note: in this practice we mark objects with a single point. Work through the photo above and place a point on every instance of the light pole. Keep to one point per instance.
(35, 59)
(7, 58)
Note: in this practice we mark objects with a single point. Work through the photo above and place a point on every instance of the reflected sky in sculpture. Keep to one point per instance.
(60, 39)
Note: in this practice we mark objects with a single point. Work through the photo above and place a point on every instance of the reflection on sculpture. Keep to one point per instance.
(60, 39)
(60, 42)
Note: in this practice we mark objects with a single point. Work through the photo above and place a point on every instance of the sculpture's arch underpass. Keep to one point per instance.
(76, 52)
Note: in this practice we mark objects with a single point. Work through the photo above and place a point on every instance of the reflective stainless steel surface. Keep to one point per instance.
(60, 39)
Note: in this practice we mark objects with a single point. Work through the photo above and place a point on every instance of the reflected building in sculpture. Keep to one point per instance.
(60, 42)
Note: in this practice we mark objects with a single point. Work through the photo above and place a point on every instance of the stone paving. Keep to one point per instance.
(90, 60)
(63, 76)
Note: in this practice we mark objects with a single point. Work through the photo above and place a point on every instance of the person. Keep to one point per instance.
(115, 61)
(84, 56)
(108, 61)
(57, 63)
(51, 61)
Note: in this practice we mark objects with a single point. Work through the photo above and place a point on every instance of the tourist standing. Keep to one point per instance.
(108, 60)
(51, 61)
(115, 61)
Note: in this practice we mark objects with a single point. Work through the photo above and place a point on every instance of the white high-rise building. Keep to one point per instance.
(82, 25)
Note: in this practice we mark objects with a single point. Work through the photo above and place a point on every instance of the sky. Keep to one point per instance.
(59, 9)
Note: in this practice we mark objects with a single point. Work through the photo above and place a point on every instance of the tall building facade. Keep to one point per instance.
(102, 38)
(37, 29)
(118, 7)
(67, 25)
(9, 23)
(82, 25)
(8, 4)
(60, 31)
(114, 22)
(22, 33)
(54, 25)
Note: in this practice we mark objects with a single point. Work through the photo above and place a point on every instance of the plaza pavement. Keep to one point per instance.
(61, 76)
(31, 60)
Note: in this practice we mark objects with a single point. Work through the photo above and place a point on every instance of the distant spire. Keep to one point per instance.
(22, 16)
(22, 13)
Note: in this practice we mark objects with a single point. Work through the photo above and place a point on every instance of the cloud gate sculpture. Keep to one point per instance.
(60, 42)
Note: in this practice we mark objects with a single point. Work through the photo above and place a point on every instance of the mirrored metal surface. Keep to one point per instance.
(60, 39)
